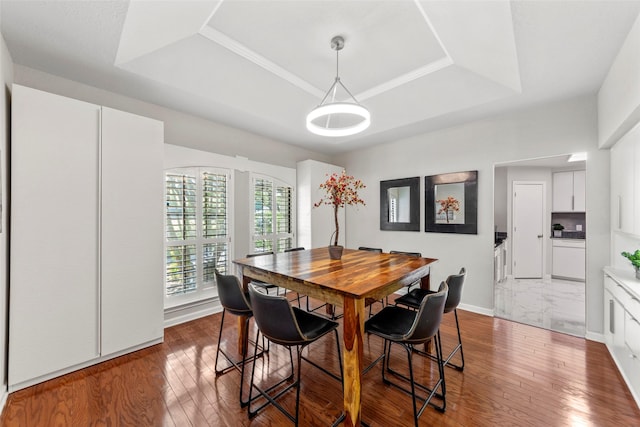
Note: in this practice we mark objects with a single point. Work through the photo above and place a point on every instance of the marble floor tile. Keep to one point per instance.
(558, 305)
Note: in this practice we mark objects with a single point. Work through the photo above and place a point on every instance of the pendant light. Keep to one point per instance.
(341, 118)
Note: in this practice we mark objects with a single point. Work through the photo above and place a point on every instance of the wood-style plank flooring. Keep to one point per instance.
(515, 375)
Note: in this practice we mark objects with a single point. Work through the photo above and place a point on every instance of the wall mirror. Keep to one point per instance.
(400, 204)
(451, 202)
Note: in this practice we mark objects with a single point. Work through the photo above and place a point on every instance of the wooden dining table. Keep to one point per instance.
(358, 277)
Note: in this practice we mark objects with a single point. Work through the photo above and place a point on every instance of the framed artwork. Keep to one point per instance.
(400, 204)
(451, 203)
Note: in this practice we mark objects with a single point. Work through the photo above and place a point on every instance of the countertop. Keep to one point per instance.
(570, 234)
(626, 277)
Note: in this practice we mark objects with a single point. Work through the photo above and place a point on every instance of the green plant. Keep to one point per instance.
(633, 257)
(558, 226)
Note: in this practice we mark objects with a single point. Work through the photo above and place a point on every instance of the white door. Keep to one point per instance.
(528, 220)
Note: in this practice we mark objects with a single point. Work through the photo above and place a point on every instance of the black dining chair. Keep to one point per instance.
(409, 328)
(366, 248)
(454, 282)
(413, 254)
(266, 286)
(235, 301)
(288, 326)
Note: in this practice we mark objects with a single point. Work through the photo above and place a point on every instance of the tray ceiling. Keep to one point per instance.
(263, 65)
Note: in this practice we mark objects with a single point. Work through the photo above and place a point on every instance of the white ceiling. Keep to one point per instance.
(263, 65)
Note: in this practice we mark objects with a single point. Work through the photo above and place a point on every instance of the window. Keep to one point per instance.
(272, 215)
(197, 230)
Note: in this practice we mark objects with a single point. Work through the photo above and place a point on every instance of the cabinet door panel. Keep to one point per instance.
(609, 321)
(569, 262)
(622, 185)
(562, 191)
(54, 234)
(132, 230)
(579, 191)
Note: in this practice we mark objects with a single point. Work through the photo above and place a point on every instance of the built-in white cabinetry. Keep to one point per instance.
(568, 259)
(569, 191)
(622, 324)
(625, 183)
(86, 235)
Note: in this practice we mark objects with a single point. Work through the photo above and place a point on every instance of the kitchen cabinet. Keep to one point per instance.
(622, 324)
(87, 235)
(569, 191)
(568, 259)
(500, 262)
(624, 174)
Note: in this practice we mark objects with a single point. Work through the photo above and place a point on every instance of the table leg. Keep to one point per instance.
(425, 283)
(352, 356)
(243, 333)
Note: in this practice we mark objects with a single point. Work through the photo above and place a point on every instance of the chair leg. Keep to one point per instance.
(299, 354)
(239, 365)
(244, 403)
(224, 311)
(265, 393)
(441, 365)
(413, 386)
(432, 392)
(458, 347)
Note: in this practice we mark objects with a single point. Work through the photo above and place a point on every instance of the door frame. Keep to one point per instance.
(545, 225)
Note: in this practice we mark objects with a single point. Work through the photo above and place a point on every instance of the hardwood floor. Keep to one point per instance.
(515, 375)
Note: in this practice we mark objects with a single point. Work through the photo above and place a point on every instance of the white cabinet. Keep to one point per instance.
(132, 234)
(500, 262)
(624, 175)
(568, 259)
(569, 191)
(622, 325)
(86, 235)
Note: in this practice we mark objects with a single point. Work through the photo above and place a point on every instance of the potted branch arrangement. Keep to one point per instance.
(635, 260)
(340, 191)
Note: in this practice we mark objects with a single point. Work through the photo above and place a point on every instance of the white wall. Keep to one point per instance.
(6, 77)
(500, 200)
(549, 130)
(179, 128)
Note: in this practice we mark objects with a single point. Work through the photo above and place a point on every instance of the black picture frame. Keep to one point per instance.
(462, 188)
(410, 220)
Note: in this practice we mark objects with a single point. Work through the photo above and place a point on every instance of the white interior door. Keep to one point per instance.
(528, 222)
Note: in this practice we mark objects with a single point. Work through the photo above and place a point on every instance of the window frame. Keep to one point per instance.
(274, 236)
(204, 290)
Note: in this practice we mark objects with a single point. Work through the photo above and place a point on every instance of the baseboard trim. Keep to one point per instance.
(594, 336)
(476, 309)
(3, 398)
(186, 313)
(97, 360)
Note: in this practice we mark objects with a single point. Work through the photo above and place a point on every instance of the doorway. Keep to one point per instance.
(527, 292)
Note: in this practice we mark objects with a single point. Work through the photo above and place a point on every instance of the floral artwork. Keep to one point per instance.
(451, 203)
(340, 191)
(448, 207)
